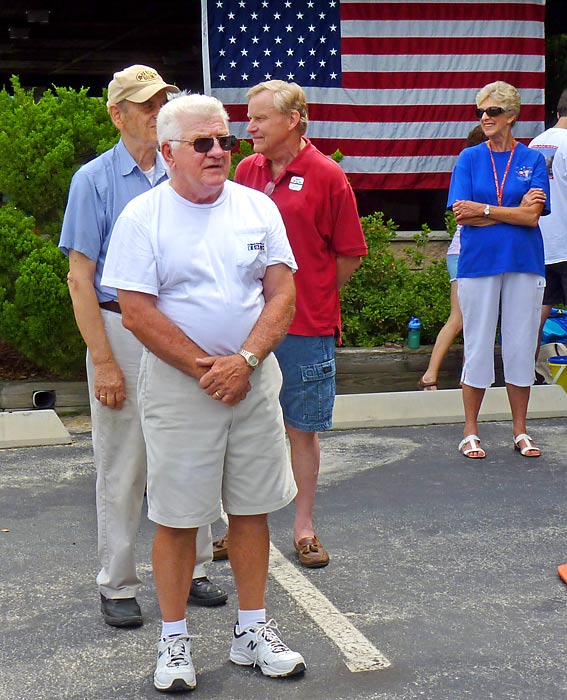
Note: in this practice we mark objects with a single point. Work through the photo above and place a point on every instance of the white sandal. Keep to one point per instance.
(474, 446)
(528, 447)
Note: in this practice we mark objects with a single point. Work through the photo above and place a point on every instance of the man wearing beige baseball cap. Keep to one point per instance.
(99, 191)
(136, 84)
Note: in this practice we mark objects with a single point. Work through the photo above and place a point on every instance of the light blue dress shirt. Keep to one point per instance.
(99, 191)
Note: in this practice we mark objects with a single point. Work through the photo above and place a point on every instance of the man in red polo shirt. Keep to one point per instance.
(320, 214)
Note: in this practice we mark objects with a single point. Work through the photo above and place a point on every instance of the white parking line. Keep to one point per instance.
(359, 653)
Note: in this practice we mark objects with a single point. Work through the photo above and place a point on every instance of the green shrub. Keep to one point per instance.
(384, 293)
(244, 149)
(43, 142)
(17, 240)
(36, 314)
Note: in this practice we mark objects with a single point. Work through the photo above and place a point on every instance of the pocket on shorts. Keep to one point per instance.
(318, 390)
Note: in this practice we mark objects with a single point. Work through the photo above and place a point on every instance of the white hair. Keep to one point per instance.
(172, 114)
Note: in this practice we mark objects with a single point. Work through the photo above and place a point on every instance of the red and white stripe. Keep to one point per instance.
(411, 72)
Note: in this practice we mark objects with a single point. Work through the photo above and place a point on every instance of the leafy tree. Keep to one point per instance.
(36, 315)
(43, 142)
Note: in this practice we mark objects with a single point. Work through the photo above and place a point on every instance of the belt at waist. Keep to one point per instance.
(110, 305)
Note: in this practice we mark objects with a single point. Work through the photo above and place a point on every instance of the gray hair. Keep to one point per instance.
(172, 115)
(505, 94)
(288, 97)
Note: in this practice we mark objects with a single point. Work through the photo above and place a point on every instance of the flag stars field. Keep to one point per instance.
(390, 84)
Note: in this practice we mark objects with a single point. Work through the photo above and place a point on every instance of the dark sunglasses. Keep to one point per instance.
(205, 143)
(491, 111)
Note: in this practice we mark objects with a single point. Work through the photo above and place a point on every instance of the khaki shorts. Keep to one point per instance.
(200, 450)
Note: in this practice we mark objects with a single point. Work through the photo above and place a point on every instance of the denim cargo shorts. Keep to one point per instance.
(308, 366)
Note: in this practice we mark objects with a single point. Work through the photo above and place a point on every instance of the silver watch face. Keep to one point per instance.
(251, 359)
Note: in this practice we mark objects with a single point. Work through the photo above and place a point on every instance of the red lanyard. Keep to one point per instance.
(500, 188)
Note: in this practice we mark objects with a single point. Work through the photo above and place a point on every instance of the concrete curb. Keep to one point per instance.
(435, 407)
(404, 408)
(31, 428)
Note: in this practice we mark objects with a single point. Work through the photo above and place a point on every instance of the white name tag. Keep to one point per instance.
(296, 183)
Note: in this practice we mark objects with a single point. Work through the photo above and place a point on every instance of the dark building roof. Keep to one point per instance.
(73, 43)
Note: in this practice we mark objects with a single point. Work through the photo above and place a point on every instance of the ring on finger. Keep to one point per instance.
(218, 395)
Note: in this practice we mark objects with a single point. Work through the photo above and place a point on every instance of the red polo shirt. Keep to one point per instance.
(321, 218)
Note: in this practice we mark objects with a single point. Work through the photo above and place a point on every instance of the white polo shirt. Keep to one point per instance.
(204, 262)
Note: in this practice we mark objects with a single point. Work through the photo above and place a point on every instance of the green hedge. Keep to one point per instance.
(385, 292)
(36, 315)
(44, 141)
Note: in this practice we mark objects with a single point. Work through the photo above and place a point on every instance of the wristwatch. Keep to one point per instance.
(251, 359)
(487, 210)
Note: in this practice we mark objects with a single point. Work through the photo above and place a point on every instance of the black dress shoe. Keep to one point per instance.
(205, 592)
(121, 612)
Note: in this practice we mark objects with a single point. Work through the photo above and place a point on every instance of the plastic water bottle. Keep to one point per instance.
(414, 331)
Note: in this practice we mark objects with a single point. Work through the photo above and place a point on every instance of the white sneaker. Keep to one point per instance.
(174, 670)
(261, 646)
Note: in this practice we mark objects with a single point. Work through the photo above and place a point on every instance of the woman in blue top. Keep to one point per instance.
(498, 191)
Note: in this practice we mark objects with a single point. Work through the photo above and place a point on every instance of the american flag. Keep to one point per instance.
(390, 84)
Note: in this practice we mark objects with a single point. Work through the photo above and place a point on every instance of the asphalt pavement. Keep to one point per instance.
(442, 583)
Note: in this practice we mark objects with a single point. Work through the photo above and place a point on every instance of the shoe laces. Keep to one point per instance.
(177, 652)
(268, 633)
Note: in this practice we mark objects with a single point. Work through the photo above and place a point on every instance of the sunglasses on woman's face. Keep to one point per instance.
(491, 111)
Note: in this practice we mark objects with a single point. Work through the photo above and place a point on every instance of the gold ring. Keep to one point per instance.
(218, 395)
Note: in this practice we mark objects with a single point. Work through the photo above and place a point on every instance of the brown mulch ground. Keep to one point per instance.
(15, 367)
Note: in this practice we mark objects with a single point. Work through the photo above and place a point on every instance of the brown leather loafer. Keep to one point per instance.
(220, 548)
(311, 552)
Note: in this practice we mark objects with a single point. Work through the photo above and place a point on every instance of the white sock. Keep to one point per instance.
(172, 629)
(250, 618)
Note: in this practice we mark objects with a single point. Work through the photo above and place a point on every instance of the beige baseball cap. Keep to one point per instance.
(137, 84)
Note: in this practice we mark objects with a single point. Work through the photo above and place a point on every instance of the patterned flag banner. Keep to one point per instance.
(390, 84)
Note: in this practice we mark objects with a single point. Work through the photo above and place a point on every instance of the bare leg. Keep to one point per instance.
(445, 338)
(519, 396)
(305, 461)
(545, 313)
(472, 401)
(249, 557)
(173, 559)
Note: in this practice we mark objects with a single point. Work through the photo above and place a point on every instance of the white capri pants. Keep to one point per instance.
(517, 296)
